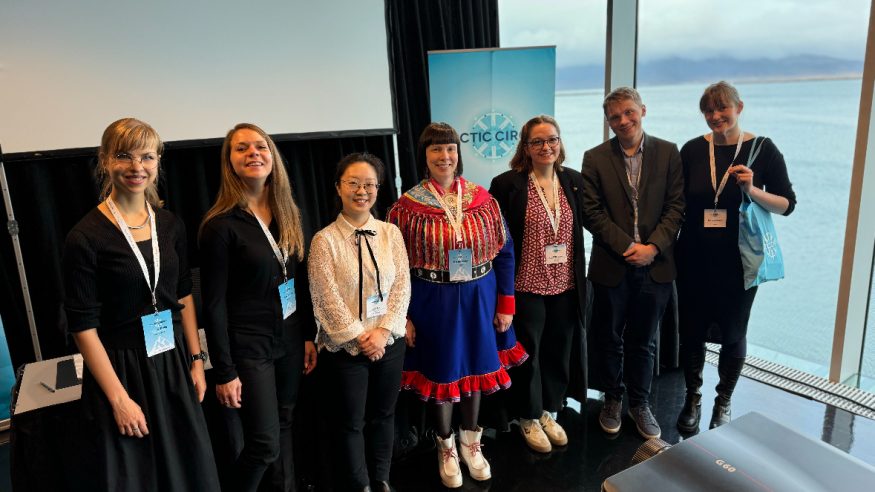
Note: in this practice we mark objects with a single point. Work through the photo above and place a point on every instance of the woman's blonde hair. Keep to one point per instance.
(282, 205)
(125, 135)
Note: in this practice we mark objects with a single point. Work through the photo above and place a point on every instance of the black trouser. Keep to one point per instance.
(544, 325)
(270, 388)
(625, 320)
(363, 402)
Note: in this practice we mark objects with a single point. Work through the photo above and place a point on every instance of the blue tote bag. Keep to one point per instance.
(761, 257)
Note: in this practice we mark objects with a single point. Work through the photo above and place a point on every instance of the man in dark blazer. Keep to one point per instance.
(633, 205)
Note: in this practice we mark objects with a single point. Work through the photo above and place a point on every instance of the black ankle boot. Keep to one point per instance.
(691, 414)
(693, 362)
(729, 369)
(722, 413)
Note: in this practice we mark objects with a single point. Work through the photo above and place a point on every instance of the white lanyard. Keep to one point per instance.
(712, 162)
(156, 252)
(281, 255)
(455, 221)
(554, 219)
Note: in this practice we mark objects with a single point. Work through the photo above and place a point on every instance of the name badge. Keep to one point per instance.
(460, 265)
(158, 332)
(375, 306)
(556, 253)
(715, 218)
(287, 297)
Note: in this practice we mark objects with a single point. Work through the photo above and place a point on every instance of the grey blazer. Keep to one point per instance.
(608, 212)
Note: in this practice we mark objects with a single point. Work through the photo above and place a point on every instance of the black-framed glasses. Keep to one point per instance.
(149, 160)
(353, 185)
(538, 143)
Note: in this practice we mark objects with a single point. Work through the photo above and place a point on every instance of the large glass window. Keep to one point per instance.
(577, 29)
(798, 68)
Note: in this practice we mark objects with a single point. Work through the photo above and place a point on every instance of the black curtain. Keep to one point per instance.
(416, 27)
(51, 194)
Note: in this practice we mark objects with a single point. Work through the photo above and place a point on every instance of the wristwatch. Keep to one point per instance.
(200, 356)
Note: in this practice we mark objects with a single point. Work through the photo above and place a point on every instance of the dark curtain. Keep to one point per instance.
(416, 27)
(50, 195)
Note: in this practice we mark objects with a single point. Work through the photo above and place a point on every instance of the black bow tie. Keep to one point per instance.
(359, 233)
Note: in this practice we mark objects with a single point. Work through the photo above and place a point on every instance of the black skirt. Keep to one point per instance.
(177, 454)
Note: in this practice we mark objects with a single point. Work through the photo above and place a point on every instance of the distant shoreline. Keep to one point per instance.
(757, 80)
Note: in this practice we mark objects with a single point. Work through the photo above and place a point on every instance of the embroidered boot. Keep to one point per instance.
(448, 462)
(472, 455)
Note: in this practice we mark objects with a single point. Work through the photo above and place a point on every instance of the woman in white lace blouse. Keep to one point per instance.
(360, 284)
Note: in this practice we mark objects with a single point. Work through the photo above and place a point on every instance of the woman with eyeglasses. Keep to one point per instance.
(360, 284)
(459, 330)
(258, 316)
(130, 310)
(541, 201)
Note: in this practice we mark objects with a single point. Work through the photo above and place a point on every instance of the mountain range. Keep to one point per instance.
(678, 70)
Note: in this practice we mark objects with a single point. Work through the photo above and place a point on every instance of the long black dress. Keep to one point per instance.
(105, 289)
(710, 284)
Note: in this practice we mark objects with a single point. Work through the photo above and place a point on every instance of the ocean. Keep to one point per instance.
(813, 123)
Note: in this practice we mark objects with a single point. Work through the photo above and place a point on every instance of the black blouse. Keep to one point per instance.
(104, 284)
(241, 305)
(713, 252)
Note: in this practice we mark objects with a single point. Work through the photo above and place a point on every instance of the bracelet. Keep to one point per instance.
(199, 356)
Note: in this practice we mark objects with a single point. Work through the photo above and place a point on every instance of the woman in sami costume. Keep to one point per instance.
(462, 277)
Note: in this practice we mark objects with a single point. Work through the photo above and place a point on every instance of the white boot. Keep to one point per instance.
(472, 456)
(448, 462)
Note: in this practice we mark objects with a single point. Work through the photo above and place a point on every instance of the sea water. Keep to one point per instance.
(813, 123)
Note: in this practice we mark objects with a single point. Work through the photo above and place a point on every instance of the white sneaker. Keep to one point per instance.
(448, 462)
(472, 456)
(555, 432)
(534, 435)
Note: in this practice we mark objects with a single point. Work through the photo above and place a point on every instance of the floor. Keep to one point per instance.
(592, 456)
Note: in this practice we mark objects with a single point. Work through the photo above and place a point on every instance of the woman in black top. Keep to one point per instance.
(540, 200)
(712, 301)
(258, 315)
(129, 307)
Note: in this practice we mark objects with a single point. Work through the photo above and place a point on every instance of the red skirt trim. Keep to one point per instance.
(513, 356)
(430, 391)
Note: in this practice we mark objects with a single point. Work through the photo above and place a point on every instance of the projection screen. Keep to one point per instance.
(191, 68)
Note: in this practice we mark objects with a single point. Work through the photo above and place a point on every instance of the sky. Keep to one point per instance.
(694, 29)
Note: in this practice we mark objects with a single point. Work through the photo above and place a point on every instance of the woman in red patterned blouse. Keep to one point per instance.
(541, 203)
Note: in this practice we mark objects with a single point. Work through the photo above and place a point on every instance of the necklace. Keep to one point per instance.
(136, 228)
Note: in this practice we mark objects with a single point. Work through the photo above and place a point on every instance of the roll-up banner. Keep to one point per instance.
(487, 95)
(7, 376)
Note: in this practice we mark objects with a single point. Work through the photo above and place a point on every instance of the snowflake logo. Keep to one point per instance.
(770, 245)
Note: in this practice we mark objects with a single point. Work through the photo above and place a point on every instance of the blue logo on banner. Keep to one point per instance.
(492, 136)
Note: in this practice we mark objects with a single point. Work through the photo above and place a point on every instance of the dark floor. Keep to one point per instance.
(592, 456)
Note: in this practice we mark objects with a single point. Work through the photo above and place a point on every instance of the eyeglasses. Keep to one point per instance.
(538, 143)
(353, 185)
(148, 160)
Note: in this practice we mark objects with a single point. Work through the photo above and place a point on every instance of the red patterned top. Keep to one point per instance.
(534, 275)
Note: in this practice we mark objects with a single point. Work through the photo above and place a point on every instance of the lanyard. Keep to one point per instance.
(712, 162)
(455, 221)
(554, 219)
(156, 252)
(281, 255)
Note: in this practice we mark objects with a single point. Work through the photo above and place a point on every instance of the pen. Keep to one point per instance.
(44, 385)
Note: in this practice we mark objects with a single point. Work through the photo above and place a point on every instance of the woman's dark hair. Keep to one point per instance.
(437, 133)
(351, 159)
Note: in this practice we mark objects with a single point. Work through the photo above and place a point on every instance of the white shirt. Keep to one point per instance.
(334, 282)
